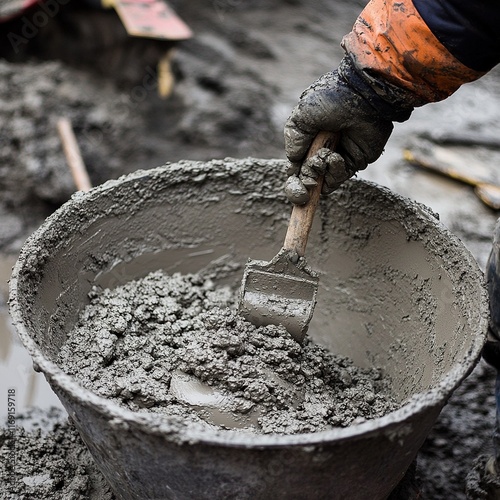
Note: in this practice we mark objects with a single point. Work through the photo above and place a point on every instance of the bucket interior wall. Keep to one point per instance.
(390, 294)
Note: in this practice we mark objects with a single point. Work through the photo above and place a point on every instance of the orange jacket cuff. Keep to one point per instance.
(390, 40)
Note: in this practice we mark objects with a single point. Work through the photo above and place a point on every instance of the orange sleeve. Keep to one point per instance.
(392, 41)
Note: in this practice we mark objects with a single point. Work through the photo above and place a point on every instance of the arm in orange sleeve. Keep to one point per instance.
(390, 41)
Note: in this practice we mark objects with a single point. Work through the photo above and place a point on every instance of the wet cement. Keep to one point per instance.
(150, 343)
(483, 481)
(44, 457)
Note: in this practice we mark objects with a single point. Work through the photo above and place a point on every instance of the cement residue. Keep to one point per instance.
(106, 83)
(49, 461)
(483, 481)
(447, 463)
(131, 343)
(34, 176)
(33, 97)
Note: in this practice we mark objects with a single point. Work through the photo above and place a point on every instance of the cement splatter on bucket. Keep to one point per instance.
(397, 291)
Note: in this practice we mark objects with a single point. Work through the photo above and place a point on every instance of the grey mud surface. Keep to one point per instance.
(140, 344)
(236, 83)
(45, 458)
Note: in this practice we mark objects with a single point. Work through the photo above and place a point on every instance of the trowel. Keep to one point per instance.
(283, 291)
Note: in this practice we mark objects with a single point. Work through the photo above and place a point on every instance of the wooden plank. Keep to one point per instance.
(73, 155)
(468, 165)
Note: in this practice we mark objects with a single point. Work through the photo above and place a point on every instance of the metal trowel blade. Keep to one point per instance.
(279, 292)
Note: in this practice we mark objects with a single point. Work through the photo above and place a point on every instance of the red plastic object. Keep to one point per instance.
(152, 19)
(10, 9)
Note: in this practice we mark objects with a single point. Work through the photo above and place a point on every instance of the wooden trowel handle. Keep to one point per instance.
(302, 215)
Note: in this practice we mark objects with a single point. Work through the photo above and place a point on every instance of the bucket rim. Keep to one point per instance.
(391, 424)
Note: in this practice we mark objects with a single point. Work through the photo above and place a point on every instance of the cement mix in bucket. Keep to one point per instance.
(130, 341)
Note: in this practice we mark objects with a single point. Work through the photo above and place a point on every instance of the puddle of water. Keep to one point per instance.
(16, 368)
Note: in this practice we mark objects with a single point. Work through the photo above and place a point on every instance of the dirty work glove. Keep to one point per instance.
(360, 107)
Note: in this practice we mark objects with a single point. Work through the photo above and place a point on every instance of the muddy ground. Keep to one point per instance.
(235, 83)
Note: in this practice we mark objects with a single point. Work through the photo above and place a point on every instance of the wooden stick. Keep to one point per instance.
(73, 155)
(165, 75)
(302, 216)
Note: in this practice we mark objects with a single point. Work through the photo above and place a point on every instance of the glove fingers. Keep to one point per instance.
(293, 168)
(295, 191)
(362, 145)
(330, 105)
(313, 113)
(297, 140)
(336, 173)
(324, 161)
(313, 167)
(353, 154)
(333, 182)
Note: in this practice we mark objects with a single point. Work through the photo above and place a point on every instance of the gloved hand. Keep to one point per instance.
(360, 107)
